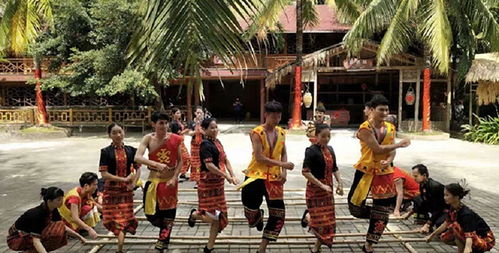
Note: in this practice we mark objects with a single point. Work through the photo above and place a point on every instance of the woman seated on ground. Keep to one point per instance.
(215, 169)
(463, 227)
(121, 174)
(40, 229)
(319, 167)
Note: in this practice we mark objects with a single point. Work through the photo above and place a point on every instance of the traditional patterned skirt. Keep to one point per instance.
(52, 238)
(480, 243)
(320, 205)
(117, 210)
(195, 162)
(211, 197)
(186, 159)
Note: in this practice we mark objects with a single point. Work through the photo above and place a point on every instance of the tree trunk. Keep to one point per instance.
(159, 105)
(41, 115)
(296, 115)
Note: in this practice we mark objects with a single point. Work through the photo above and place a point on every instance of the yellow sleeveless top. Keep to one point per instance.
(262, 171)
(370, 163)
(65, 212)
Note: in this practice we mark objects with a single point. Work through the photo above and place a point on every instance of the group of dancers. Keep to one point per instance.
(45, 227)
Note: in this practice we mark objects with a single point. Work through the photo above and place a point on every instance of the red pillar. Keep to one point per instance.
(296, 115)
(426, 99)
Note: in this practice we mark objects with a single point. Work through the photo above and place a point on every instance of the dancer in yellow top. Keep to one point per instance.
(374, 172)
(266, 175)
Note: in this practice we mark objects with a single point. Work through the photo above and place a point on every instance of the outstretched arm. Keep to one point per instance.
(367, 137)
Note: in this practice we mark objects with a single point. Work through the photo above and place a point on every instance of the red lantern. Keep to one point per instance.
(410, 97)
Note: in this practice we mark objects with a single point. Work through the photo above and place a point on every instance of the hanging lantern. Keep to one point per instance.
(410, 97)
(307, 99)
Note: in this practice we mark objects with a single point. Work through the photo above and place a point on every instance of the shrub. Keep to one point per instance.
(486, 131)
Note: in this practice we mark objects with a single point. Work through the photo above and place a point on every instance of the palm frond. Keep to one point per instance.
(267, 18)
(483, 20)
(400, 33)
(374, 19)
(347, 10)
(437, 34)
(309, 13)
(21, 23)
(182, 33)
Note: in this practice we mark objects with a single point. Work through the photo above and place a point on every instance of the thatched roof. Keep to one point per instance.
(320, 57)
(485, 72)
(485, 67)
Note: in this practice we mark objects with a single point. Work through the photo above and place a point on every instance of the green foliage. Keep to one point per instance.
(486, 131)
(88, 50)
(444, 28)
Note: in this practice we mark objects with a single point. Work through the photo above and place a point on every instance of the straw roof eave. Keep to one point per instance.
(485, 67)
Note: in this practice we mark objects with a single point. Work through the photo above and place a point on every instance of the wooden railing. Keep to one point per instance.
(17, 116)
(79, 116)
(24, 66)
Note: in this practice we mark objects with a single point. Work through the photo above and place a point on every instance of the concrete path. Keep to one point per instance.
(26, 166)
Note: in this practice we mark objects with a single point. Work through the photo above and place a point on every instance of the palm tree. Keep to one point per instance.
(266, 21)
(21, 23)
(438, 25)
(185, 33)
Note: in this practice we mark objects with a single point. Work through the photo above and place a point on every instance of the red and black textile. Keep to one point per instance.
(465, 223)
(195, 156)
(252, 198)
(52, 237)
(211, 194)
(117, 206)
(320, 203)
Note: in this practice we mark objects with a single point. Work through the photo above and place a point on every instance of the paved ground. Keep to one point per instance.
(26, 166)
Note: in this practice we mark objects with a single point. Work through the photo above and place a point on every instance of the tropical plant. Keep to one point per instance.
(21, 23)
(436, 27)
(486, 131)
(182, 34)
(88, 54)
(267, 21)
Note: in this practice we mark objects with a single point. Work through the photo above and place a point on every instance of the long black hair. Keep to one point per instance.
(51, 193)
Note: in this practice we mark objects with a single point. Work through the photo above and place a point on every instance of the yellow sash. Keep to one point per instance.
(150, 204)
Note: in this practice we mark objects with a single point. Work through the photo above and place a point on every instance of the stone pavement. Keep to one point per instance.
(29, 165)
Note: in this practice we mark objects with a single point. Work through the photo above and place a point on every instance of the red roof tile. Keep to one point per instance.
(328, 23)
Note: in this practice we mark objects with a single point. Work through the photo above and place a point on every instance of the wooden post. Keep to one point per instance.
(449, 101)
(315, 93)
(416, 103)
(196, 93)
(400, 101)
(110, 115)
(470, 105)
(262, 100)
(70, 116)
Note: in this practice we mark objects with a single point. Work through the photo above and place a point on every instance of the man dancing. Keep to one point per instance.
(266, 175)
(164, 163)
(374, 171)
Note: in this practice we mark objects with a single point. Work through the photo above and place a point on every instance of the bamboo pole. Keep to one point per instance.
(247, 242)
(407, 245)
(98, 247)
(256, 237)
(288, 219)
